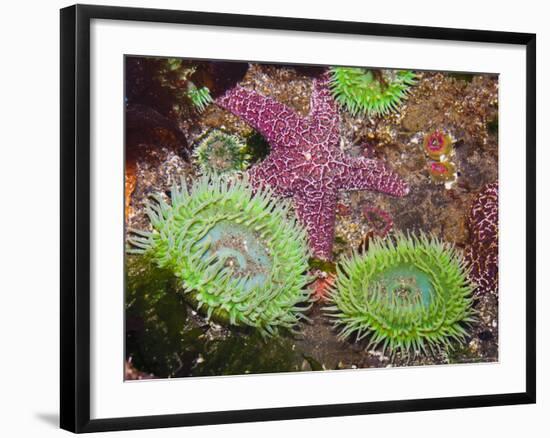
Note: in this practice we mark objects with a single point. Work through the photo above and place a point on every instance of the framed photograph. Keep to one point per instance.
(271, 218)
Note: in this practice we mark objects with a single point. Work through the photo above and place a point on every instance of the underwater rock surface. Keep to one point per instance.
(166, 337)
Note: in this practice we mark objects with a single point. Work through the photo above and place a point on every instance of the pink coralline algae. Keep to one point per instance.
(305, 161)
(482, 254)
(379, 220)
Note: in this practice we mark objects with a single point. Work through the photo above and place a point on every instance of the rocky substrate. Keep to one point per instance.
(166, 338)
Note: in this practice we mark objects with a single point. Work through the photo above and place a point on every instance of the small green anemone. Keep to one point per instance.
(241, 259)
(408, 294)
(374, 92)
(220, 153)
(199, 97)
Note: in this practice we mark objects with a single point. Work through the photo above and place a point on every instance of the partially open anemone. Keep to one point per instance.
(241, 259)
(199, 97)
(442, 171)
(409, 294)
(437, 144)
(220, 153)
(374, 92)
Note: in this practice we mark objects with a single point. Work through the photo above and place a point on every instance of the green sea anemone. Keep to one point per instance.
(408, 294)
(241, 257)
(200, 97)
(374, 92)
(219, 153)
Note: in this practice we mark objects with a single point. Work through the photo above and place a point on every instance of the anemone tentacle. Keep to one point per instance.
(200, 97)
(374, 92)
(218, 152)
(241, 258)
(410, 294)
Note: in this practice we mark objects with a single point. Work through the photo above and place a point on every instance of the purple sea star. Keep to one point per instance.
(305, 161)
(482, 254)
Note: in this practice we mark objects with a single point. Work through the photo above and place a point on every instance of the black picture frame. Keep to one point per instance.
(75, 217)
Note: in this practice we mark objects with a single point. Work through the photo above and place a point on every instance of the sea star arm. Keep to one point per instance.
(271, 173)
(317, 212)
(275, 121)
(322, 102)
(358, 173)
(323, 121)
